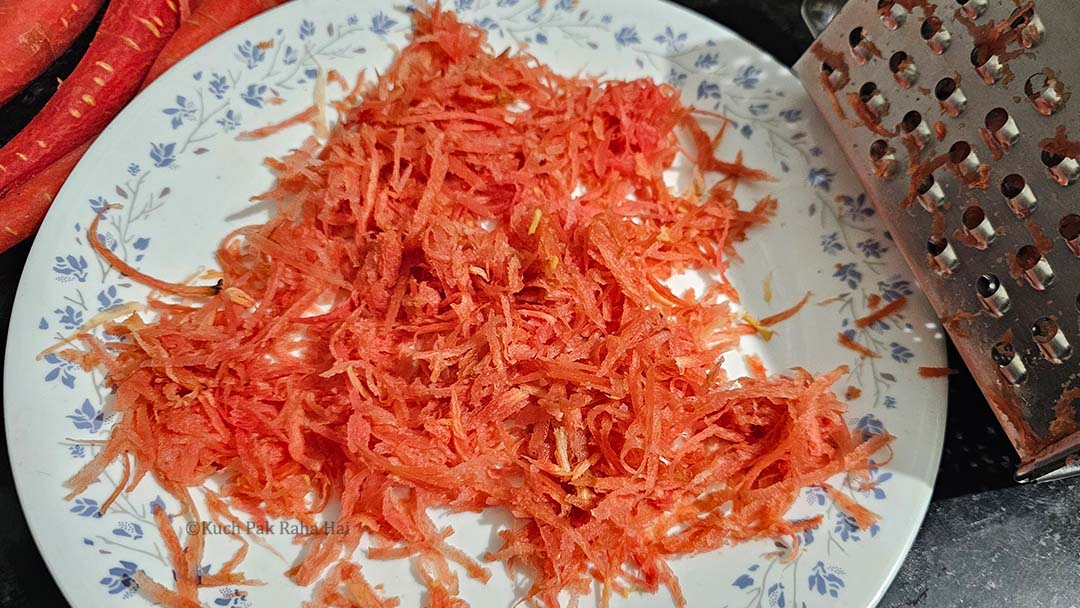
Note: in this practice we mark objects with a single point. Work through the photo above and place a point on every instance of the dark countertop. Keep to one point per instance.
(985, 542)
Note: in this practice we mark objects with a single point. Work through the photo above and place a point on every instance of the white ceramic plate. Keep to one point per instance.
(173, 161)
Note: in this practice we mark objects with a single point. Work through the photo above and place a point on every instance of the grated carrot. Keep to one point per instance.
(889, 309)
(936, 372)
(847, 342)
(439, 318)
(784, 315)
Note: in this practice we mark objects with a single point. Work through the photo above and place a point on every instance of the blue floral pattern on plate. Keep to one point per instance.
(273, 60)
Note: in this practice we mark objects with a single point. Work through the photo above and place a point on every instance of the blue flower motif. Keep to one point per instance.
(69, 318)
(826, 580)
(307, 29)
(708, 90)
(98, 205)
(250, 53)
(830, 243)
(541, 38)
(820, 177)
(744, 581)
(816, 151)
(163, 155)
(627, 35)
(230, 121)
(71, 267)
(846, 527)
(606, 19)
(291, 55)
(85, 507)
(816, 496)
(869, 426)
(673, 41)
(107, 298)
(901, 353)
(43, 324)
(776, 596)
(218, 85)
(463, 5)
(856, 208)
(86, 418)
(676, 78)
(848, 273)
(876, 478)
(806, 537)
(129, 529)
(747, 77)
(894, 287)
(185, 109)
(792, 115)
(352, 20)
(381, 24)
(871, 248)
(253, 95)
(141, 244)
(133, 169)
(889, 402)
(746, 131)
(536, 15)
(232, 598)
(61, 370)
(705, 61)
(506, 3)
(757, 109)
(77, 451)
(120, 579)
(489, 24)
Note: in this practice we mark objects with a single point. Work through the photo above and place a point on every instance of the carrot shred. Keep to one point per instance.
(864, 518)
(847, 342)
(305, 116)
(936, 372)
(784, 315)
(889, 309)
(437, 317)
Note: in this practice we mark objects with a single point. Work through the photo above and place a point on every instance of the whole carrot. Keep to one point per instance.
(131, 35)
(209, 19)
(36, 32)
(25, 205)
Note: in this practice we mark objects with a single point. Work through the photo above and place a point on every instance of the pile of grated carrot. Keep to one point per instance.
(460, 303)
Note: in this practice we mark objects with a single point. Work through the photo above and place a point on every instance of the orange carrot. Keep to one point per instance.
(36, 33)
(176, 289)
(129, 38)
(784, 315)
(889, 309)
(25, 206)
(847, 342)
(936, 372)
(208, 20)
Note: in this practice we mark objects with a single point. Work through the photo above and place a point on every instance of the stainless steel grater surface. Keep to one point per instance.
(956, 116)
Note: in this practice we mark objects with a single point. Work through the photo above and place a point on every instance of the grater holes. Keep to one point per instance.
(915, 128)
(1036, 269)
(1069, 229)
(987, 64)
(994, 296)
(942, 253)
(949, 95)
(1045, 92)
(1062, 169)
(903, 69)
(1018, 194)
(874, 100)
(883, 156)
(1030, 26)
(862, 49)
(1002, 126)
(1009, 363)
(934, 33)
(978, 226)
(930, 194)
(963, 157)
(972, 9)
(1052, 342)
(892, 13)
(836, 78)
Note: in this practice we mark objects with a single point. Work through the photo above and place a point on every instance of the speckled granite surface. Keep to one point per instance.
(985, 543)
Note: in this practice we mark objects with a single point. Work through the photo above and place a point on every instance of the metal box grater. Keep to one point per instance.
(956, 116)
